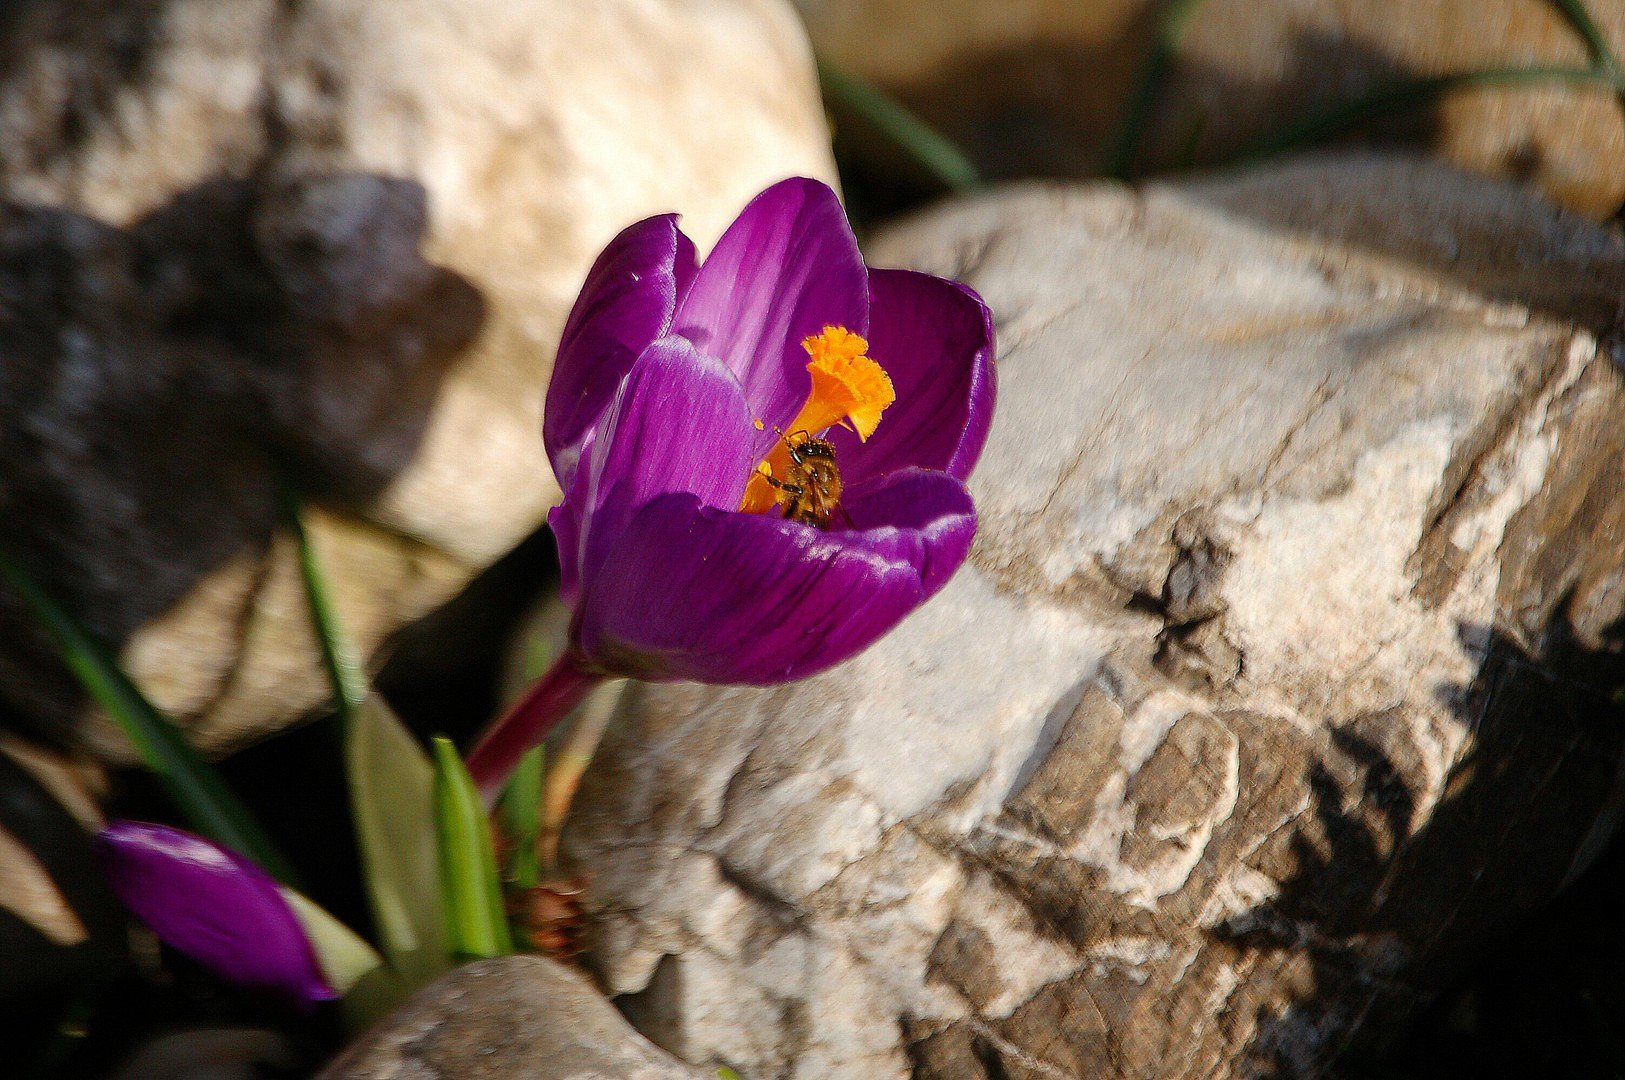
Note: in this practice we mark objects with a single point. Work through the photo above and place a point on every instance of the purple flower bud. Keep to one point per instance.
(213, 905)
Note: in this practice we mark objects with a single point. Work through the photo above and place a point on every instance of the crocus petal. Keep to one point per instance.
(628, 300)
(213, 905)
(785, 269)
(566, 520)
(692, 592)
(679, 423)
(935, 339)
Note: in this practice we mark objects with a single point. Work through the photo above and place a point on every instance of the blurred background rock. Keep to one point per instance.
(1041, 87)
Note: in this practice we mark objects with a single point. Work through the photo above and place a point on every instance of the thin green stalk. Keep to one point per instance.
(1579, 19)
(1402, 95)
(1601, 54)
(1171, 27)
(344, 670)
(476, 924)
(196, 788)
(925, 144)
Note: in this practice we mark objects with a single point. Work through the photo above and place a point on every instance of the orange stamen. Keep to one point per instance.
(847, 387)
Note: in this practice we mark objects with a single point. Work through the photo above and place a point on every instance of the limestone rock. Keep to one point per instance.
(1038, 87)
(342, 235)
(517, 1018)
(1273, 686)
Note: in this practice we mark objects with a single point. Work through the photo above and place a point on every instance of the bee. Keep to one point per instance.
(811, 490)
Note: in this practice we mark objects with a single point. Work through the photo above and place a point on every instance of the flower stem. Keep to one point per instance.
(504, 742)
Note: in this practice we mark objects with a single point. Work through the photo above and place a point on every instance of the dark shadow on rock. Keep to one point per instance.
(1388, 918)
(113, 41)
(1383, 912)
(158, 377)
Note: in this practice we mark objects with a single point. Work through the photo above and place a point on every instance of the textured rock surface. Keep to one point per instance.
(519, 1018)
(1038, 87)
(210, 251)
(1271, 688)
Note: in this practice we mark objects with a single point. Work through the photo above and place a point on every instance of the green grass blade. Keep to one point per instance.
(919, 140)
(344, 670)
(196, 788)
(1171, 27)
(391, 783)
(521, 808)
(392, 797)
(1405, 94)
(476, 924)
(1574, 13)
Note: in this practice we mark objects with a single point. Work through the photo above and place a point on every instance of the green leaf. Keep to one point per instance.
(935, 153)
(392, 796)
(1579, 19)
(350, 684)
(475, 922)
(521, 809)
(198, 791)
(344, 957)
(1172, 23)
(391, 787)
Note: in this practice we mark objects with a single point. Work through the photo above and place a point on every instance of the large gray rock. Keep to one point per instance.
(1274, 683)
(343, 234)
(517, 1018)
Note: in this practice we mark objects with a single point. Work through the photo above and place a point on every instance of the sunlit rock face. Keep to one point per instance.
(337, 238)
(1273, 685)
(1041, 87)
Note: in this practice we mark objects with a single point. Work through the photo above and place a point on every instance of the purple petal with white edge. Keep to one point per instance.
(692, 592)
(679, 423)
(213, 905)
(628, 300)
(787, 267)
(934, 337)
(566, 521)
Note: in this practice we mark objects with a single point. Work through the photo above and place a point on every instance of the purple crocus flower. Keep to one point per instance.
(734, 513)
(215, 906)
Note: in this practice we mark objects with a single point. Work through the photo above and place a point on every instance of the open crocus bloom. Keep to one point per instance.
(763, 457)
(226, 913)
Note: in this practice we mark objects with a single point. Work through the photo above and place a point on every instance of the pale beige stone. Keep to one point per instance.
(344, 233)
